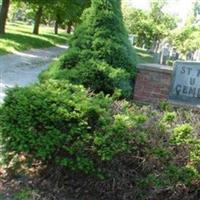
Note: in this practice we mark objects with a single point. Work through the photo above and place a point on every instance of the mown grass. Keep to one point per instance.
(19, 37)
(144, 57)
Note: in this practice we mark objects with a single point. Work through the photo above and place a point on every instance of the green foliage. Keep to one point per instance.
(193, 17)
(24, 194)
(165, 106)
(161, 153)
(72, 9)
(62, 123)
(170, 62)
(169, 117)
(37, 2)
(172, 150)
(100, 55)
(152, 180)
(174, 174)
(182, 134)
(196, 7)
(187, 39)
(149, 27)
(144, 57)
(171, 176)
(20, 38)
(66, 11)
(98, 77)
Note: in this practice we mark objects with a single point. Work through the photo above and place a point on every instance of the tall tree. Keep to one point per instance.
(38, 16)
(149, 27)
(163, 23)
(157, 10)
(196, 12)
(4, 15)
(61, 10)
(196, 7)
(139, 24)
(67, 12)
(39, 6)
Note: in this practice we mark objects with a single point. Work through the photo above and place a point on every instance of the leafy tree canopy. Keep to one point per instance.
(68, 10)
(149, 26)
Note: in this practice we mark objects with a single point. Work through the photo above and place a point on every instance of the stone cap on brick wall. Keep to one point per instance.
(155, 67)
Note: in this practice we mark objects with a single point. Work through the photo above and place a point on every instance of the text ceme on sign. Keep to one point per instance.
(185, 86)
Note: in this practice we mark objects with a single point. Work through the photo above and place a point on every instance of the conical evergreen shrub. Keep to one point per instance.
(100, 55)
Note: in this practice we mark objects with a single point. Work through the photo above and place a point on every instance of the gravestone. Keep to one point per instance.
(185, 85)
(131, 39)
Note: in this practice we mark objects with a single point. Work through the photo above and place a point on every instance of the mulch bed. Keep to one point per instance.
(56, 183)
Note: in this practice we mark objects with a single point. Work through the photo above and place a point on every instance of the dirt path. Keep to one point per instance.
(23, 68)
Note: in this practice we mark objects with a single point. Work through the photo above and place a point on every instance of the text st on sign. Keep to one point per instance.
(185, 86)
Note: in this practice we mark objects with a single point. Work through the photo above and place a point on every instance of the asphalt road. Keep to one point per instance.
(23, 68)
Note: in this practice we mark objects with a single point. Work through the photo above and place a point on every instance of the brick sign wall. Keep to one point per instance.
(152, 83)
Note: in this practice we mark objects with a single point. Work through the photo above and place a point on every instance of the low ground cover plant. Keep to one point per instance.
(65, 124)
(68, 126)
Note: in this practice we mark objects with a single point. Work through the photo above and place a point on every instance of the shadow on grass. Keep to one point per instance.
(59, 38)
(2, 52)
(144, 57)
(26, 41)
(22, 41)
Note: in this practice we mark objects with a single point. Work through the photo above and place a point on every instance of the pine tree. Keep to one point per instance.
(100, 55)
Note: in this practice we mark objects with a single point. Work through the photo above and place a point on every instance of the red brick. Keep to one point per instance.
(152, 86)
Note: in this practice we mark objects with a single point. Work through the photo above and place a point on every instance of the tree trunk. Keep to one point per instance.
(69, 27)
(157, 46)
(4, 15)
(153, 46)
(38, 17)
(56, 27)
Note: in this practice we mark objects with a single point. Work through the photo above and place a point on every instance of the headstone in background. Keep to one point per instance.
(185, 86)
(165, 53)
(131, 38)
(196, 56)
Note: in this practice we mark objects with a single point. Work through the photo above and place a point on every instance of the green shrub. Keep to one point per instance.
(174, 174)
(169, 117)
(24, 194)
(63, 123)
(100, 55)
(165, 106)
(171, 153)
(170, 62)
(182, 134)
(96, 75)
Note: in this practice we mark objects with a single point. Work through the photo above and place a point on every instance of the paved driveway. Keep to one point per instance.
(23, 68)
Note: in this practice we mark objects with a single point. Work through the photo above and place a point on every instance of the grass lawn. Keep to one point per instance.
(143, 56)
(19, 37)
